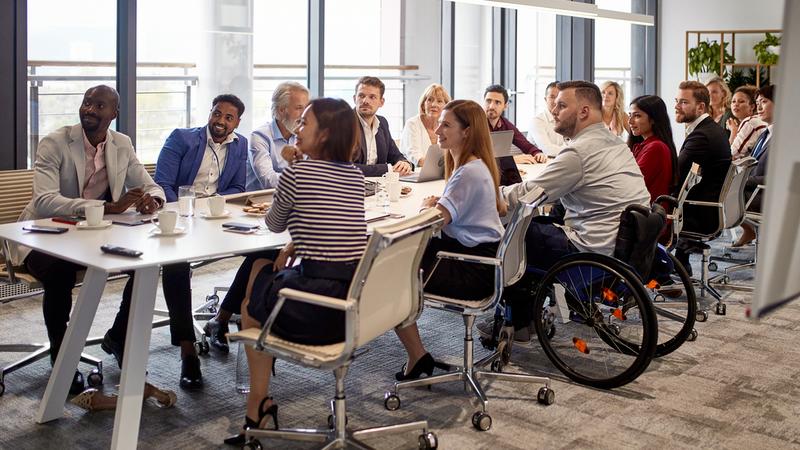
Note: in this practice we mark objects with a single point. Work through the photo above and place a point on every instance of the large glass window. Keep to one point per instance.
(536, 63)
(69, 51)
(612, 47)
(362, 37)
(473, 51)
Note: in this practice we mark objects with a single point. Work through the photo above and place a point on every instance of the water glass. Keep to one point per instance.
(186, 197)
(382, 194)
(242, 371)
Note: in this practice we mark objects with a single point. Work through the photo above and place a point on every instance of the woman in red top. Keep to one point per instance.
(652, 145)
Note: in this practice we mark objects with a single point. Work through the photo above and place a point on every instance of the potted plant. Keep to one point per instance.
(767, 50)
(704, 59)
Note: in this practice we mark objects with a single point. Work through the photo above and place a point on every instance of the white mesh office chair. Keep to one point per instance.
(731, 210)
(386, 292)
(509, 266)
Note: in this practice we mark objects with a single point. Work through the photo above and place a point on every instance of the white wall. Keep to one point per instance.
(678, 16)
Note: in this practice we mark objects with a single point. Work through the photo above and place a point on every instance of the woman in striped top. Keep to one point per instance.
(471, 207)
(320, 201)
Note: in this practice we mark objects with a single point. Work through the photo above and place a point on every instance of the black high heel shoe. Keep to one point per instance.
(424, 365)
(239, 439)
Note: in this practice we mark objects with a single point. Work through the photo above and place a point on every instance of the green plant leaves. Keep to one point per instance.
(763, 54)
(705, 58)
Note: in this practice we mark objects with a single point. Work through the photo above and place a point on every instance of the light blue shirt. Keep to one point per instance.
(264, 160)
(470, 198)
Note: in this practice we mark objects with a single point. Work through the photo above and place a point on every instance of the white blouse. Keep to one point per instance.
(414, 141)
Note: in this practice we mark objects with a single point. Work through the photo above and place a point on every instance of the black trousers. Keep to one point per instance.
(236, 292)
(58, 278)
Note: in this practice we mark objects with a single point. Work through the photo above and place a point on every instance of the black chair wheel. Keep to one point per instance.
(551, 331)
(253, 444)
(614, 328)
(497, 365)
(546, 396)
(721, 309)
(212, 309)
(482, 421)
(702, 316)
(428, 441)
(712, 266)
(330, 421)
(202, 347)
(391, 401)
(94, 378)
(212, 298)
(2, 388)
(692, 336)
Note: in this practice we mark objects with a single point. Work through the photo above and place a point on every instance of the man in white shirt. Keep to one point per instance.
(595, 177)
(376, 151)
(543, 128)
(265, 160)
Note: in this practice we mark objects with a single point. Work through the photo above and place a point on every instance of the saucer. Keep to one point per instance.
(209, 216)
(82, 225)
(176, 232)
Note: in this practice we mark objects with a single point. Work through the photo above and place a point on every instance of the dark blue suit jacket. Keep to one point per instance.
(388, 153)
(182, 154)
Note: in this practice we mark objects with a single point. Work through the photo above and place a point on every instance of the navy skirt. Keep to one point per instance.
(302, 322)
(458, 279)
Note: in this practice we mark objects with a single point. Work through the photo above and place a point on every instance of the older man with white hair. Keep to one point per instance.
(264, 160)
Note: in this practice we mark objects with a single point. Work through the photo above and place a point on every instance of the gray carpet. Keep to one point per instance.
(735, 387)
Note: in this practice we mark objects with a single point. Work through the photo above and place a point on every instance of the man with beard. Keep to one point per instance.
(595, 177)
(376, 151)
(707, 145)
(495, 102)
(265, 161)
(213, 160)
(77, 167)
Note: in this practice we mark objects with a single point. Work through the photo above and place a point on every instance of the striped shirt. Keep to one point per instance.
(321, 203)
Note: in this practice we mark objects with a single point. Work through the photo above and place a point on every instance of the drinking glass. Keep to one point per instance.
(186, 197)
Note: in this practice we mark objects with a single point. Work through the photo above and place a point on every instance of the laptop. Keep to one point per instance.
(501, 147)
(433, 168)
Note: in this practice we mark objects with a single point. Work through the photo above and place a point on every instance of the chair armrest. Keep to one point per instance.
(469, 258)
(701, 203)
(760, 187)
(667, 198)
(316, 299)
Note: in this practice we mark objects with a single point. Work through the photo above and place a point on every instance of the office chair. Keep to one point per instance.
(509, 266)
(385, 293)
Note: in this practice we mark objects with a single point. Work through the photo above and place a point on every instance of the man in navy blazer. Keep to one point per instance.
(211, 158)
(376, 150)
(707, 145)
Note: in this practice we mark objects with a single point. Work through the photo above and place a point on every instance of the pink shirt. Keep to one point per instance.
(95, 180)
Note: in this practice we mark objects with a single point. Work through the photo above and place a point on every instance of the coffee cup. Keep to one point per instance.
(394, 190)
(167, 221)
(392, 177)
(94, 215)
(216, 205)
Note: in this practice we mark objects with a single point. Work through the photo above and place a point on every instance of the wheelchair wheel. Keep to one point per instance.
(675, 304)
(606, 326)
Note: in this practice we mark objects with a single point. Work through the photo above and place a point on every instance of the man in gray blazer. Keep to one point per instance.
(76, 167)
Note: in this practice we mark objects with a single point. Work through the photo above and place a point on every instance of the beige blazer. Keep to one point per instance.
(59, 170)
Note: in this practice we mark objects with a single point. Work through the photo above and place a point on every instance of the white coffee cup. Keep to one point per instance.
(392, 177)
(94, 215)
(167, 221)
(216, 205)
(394, 190)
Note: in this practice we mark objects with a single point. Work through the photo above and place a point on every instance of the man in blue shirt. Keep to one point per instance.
(212, 159)
(264, 160)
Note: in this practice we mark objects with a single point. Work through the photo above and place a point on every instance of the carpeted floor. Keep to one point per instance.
(735, 387)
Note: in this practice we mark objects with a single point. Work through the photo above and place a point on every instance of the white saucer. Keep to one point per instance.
(176, 232)
(209, 216)
(82, 225)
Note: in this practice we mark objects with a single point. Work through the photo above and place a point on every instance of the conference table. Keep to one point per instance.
(203, 239)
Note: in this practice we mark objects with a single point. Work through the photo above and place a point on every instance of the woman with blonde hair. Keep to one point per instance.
(471, 206)
(614, 115)
(418, 134)
(720, 101)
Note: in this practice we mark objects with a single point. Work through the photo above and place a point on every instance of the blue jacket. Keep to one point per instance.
(182, 154)
(387, 150)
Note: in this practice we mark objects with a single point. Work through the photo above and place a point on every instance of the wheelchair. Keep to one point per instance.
(598, 320)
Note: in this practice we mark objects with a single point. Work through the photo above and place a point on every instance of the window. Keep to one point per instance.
(536, 63)
(362, 37)
(612, 48)
(473, 51)
(69, 51)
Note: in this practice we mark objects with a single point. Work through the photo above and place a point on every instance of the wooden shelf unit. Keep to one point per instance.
(732, 40)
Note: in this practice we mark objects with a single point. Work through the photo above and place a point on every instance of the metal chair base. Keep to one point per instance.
(38, 351)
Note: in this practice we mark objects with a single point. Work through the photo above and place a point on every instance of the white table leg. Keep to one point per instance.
(52, 406)
(137, 348)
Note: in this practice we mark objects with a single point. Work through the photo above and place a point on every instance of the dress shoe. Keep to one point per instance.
(239, 439)
(424, 365)
(77, 385)
(215, 331)
(191, 377)
(112, 347)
